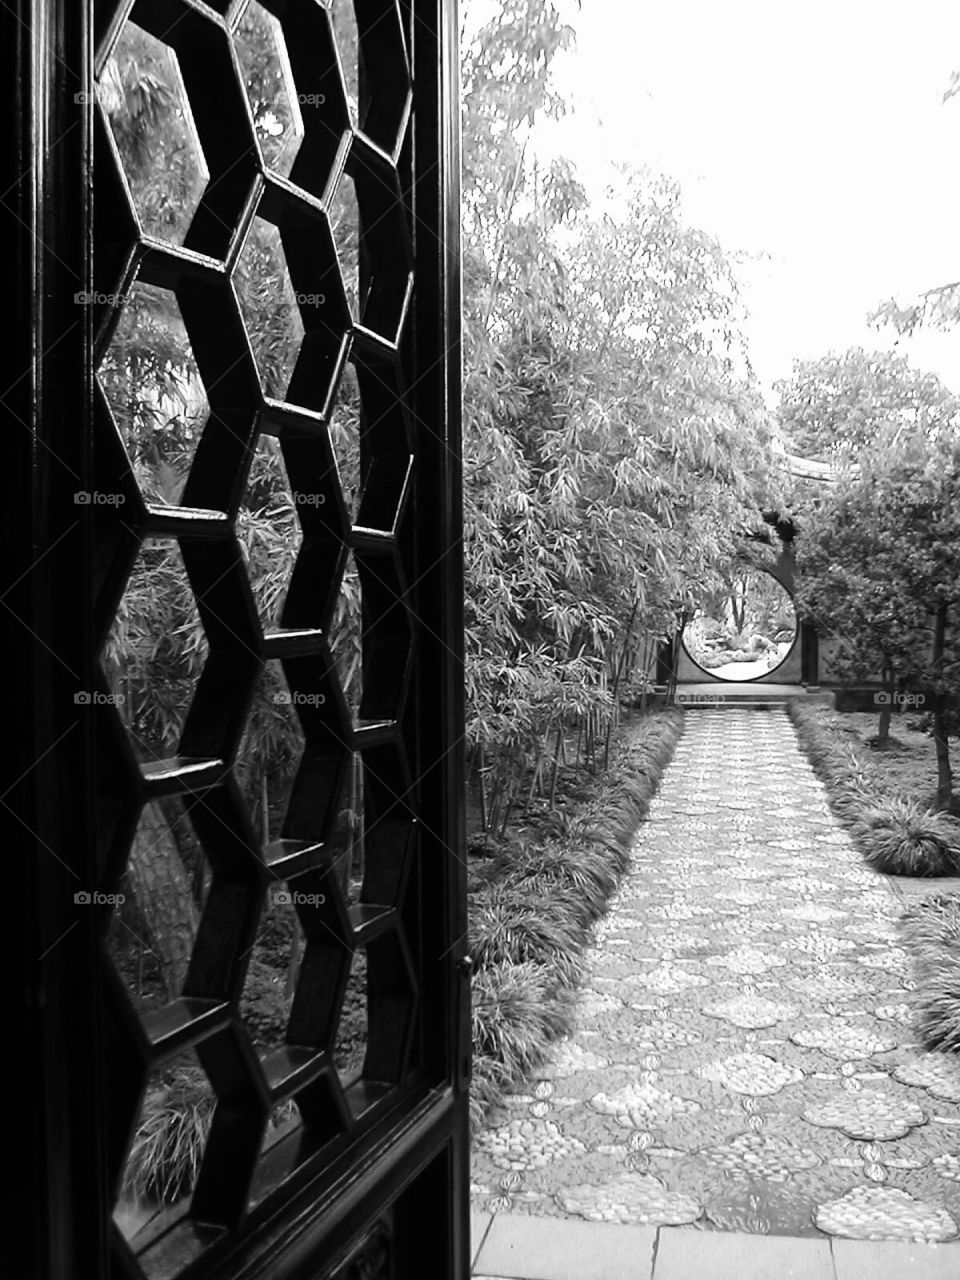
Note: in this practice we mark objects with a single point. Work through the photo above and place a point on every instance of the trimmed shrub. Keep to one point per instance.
(931, 931)
(902, 838)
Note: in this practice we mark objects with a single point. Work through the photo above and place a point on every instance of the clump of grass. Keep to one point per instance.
(581, 877)
(170, 1139)
(895, 834)
(172, 1134)
(517, 1014)
(509, 924)
(931, 931)
(902, 838)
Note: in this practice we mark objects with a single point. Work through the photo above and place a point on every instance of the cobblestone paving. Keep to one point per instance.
(743, 1056)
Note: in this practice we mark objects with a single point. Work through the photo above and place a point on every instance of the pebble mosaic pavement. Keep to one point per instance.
(743, 1056)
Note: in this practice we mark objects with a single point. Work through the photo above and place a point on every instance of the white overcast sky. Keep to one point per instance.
(812, 133)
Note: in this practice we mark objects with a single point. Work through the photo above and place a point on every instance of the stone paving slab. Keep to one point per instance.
(527, 1248)
(743, 1057)
(479, 1225)
(691, 1254)
(883, 1260)
(548, 1249)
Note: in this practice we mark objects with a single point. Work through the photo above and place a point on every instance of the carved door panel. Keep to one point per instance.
(256, 396)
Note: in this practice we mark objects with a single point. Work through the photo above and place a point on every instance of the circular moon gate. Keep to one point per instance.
(744, 631)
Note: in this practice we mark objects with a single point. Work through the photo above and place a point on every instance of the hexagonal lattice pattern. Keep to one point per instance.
(154, 131)
(350, 1047)
(161, 416)
(385, 279)
(270, 752)
(156, 651)
(345, 439)
(346, 636)
(345, 223)
(384, 86)
(269, 529)
(162, 894)
(258, 813)
(270, 307)
(268, 80)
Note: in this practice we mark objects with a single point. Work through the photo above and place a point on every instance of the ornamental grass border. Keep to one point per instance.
(931, 932)
(895, 834)
(531, 912)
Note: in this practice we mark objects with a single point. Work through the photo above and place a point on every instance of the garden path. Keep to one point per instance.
(742, 1056)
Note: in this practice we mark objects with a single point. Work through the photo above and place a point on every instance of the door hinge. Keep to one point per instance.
(464, 1063)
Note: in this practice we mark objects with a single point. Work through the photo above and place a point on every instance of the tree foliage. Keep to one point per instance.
(880, 551)
(615, 440)
(830, 408)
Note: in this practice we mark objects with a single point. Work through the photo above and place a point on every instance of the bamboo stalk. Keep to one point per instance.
(483, 793)
(535, 779)
(495, 804)
(507, 810)
(556, 766)
(498, 268)
(645, 662)
(616, 681)
(293, 962)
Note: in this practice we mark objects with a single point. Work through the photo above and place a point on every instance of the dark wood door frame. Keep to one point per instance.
(59, 1227)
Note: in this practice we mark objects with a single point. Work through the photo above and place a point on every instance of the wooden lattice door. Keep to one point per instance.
(239, 269)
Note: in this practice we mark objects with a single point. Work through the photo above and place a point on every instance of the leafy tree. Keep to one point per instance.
(881, 569)
(936, 308)
(614, 438)
(830, 408)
